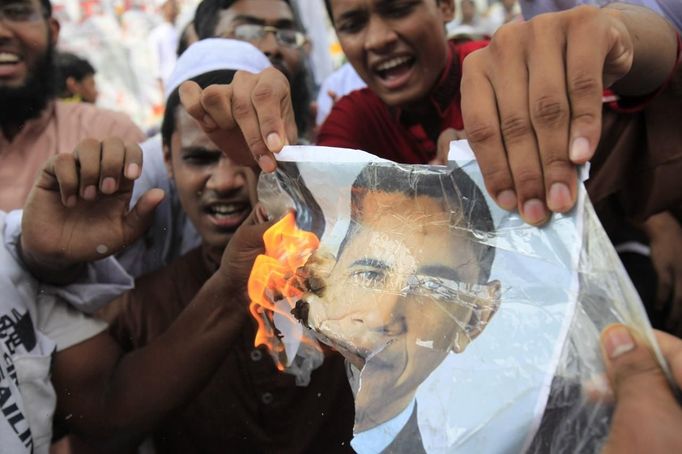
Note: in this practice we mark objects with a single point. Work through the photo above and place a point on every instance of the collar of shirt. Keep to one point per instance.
(379, 437)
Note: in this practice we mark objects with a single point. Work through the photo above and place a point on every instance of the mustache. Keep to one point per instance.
(29, 100)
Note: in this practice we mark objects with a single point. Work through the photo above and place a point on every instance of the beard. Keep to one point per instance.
(28, 101)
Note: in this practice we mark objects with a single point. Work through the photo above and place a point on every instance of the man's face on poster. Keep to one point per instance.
(401, 297)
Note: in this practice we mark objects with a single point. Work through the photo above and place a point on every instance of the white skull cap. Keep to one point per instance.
(214, 54)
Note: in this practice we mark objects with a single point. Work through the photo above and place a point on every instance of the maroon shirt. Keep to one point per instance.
(361, 120)
(248, 406)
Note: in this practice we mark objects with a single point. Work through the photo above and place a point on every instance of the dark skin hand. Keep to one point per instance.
(110, 398)
(532, 99)
(255, 106)
(665, 236)
(113, 399)
(77, 211)
(647, 417)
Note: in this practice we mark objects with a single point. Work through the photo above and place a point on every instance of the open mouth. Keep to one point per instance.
(395, 72)
(228, 215)
(9, 64)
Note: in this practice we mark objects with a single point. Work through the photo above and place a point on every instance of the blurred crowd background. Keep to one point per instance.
(118, 39)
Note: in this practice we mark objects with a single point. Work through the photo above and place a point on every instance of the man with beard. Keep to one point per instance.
(272, 27)
(33, 125)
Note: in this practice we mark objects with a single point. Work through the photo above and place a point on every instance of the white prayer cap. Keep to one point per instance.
(213, 54)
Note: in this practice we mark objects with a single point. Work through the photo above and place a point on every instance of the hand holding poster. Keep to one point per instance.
(467, 330)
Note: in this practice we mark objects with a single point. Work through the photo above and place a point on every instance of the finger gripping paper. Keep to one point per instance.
(465, 330)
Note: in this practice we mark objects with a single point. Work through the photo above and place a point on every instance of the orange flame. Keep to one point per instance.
(273, 278)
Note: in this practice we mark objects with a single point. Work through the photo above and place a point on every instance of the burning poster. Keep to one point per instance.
(465, 329)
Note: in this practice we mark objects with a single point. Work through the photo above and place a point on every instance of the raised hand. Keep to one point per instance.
(254, 106)
(532, 99)
(78, 210)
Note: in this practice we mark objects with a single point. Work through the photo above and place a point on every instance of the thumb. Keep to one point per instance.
(252, 236)
(190, 97)
(631, 366)
(138, 220)
(647, 416)
(639, 385)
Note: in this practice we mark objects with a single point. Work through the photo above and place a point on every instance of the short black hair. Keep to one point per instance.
(47, 7)
(71, 65)
(328, 4)
(183, 42)
(168, 126)
(208, 13)
(456, 191)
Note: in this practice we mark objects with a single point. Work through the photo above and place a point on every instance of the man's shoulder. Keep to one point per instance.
(98, 122)
(86, 110)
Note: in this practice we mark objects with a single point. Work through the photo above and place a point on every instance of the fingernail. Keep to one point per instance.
(274, 142)
(580, 150)
(133, 171)
(559, 198)
(507, 199)
(71, 201)
(108, 185)
(534, 211)
(208, 122)
(618, 342)
(90, 192)
(266, 163)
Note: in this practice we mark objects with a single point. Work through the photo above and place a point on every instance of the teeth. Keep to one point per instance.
(6, 57)
(226, 209)
(390, 64)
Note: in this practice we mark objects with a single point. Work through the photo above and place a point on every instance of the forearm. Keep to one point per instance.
(658, 223)
(143, 387)
(655, 49)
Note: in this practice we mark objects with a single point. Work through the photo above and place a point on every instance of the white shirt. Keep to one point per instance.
(164, 41)
(342, 81)
(35, 321)
(378, 438)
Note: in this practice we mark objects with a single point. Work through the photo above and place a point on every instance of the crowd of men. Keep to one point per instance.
(124, 320)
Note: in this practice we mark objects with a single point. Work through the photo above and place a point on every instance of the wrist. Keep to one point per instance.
(224, 283)
(50, 270)
(657, 223)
